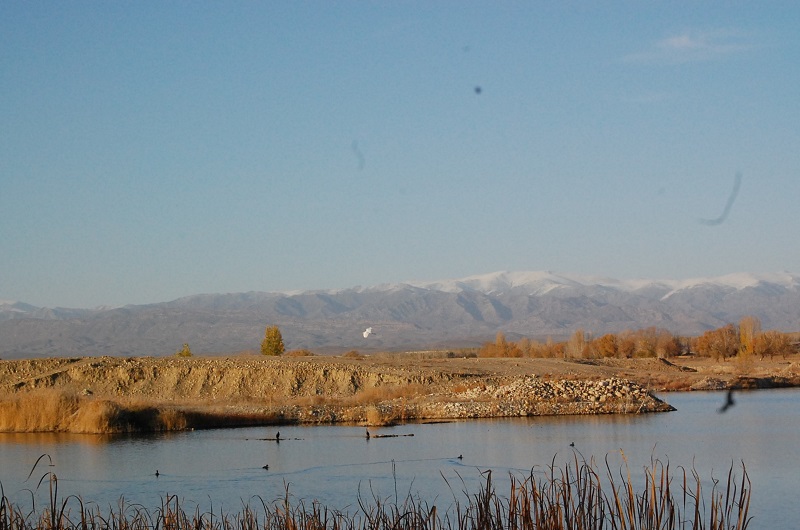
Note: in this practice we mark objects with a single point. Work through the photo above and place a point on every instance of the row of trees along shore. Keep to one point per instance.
(743, 341)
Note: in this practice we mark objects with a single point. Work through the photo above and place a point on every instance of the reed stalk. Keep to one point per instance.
(576, 496)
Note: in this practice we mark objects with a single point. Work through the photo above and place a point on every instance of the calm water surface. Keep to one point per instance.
(332, 464)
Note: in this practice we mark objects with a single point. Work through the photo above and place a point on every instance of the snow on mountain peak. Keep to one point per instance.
(738, 281)
(541, 282)
(13, 306)
(497, 282)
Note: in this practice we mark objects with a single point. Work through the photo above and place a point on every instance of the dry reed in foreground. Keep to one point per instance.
(575, 497)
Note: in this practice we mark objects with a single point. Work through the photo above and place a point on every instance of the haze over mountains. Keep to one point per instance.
(413, 315)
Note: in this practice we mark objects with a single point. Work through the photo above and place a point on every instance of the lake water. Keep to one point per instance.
(331, 464)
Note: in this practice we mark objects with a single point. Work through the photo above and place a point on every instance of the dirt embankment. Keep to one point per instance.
(110, 394)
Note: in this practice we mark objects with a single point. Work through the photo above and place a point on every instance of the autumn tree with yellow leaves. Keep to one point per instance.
(273, 342)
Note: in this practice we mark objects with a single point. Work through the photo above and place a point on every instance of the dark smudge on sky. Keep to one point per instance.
(731, 199)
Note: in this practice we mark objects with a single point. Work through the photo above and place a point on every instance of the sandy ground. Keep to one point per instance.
(172, 378)
(380, 388)
(681, 373)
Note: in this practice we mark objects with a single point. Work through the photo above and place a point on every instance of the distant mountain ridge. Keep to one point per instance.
(411, 315)
(543, 282)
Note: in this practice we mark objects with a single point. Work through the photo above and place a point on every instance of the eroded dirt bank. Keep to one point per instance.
(374, 390)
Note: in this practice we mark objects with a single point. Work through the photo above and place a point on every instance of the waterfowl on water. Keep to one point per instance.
(367, 434)
(266, 466)
(157, 473)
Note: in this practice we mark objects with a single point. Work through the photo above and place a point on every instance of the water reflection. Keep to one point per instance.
(333, 464)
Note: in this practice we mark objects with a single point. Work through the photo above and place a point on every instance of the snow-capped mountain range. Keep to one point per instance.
(446, 313)
(538, 282)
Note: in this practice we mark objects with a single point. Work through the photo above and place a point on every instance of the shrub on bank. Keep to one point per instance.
(300, 353)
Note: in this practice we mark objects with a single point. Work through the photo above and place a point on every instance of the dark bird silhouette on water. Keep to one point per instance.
(572, 444)
(729, 402)
(157, 473)
(265, 466)
(367, 434)
(461, 457)
(278, 436)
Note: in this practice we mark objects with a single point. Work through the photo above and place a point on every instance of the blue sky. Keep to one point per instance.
(151, 150)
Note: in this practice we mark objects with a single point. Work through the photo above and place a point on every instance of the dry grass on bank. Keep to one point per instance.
(54, 411)
(50, 410)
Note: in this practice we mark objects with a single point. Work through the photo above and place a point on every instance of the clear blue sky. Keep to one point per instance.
(151, 150)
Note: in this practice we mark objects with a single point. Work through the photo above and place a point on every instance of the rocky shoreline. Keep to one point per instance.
(375, 390)
(529, 396)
